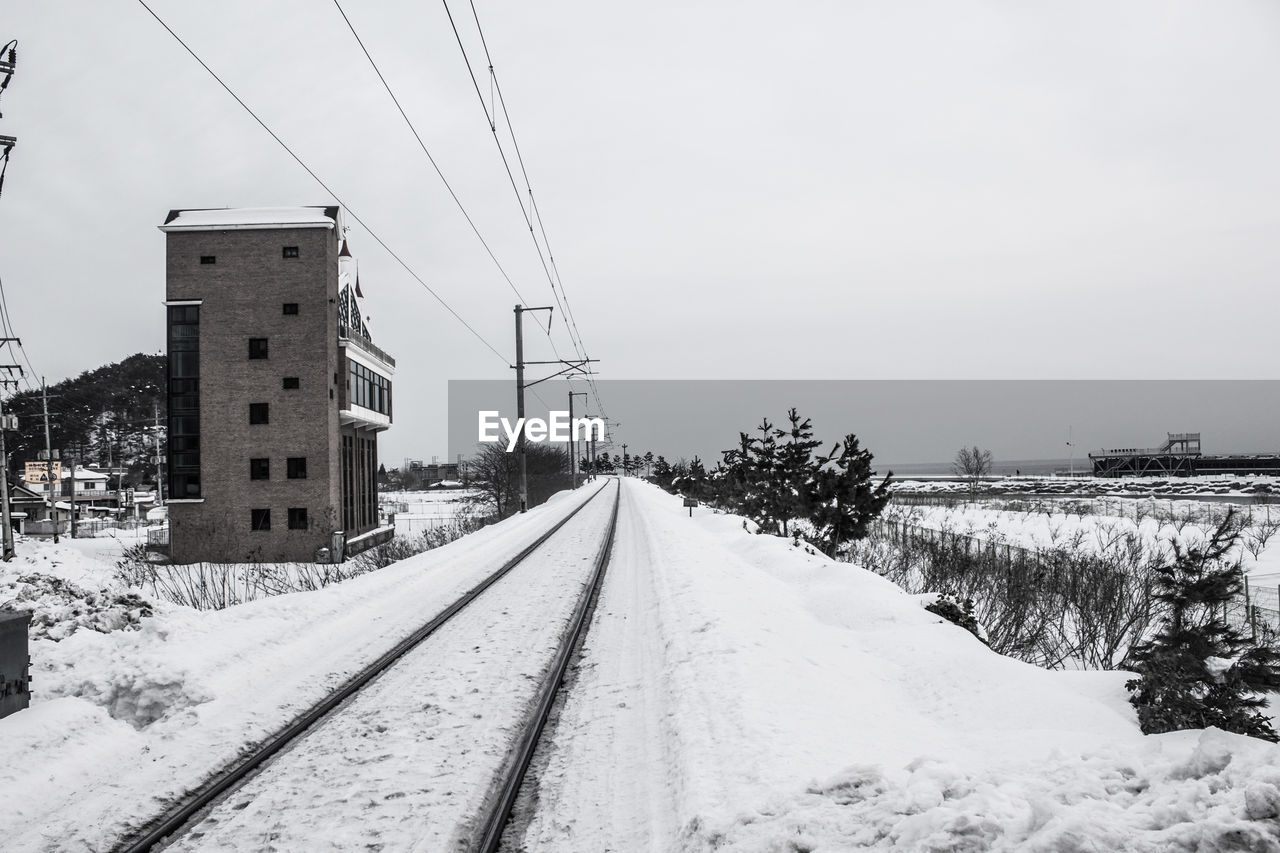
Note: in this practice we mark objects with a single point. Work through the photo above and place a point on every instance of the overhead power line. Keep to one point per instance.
(324, 185)
(434, 164)
(423, 146)
(531, 214)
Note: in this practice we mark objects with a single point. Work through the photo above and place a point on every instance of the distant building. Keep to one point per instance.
(276, 394)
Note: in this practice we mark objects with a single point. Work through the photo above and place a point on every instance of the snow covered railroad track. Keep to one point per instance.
(425, 749)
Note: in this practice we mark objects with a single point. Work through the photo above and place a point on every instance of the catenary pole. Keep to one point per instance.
(524, 475)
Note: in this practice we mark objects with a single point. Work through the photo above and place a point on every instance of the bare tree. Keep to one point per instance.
(972, 463)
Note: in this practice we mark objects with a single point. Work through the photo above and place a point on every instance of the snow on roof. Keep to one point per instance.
(249, 218)
(85, 474)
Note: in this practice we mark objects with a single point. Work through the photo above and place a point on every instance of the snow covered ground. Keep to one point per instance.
(736, 693)
(122, 722)
(1040, 529)
(420, 511)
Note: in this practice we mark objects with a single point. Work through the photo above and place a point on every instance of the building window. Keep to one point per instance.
(297, 467)
(184, 401)
(291, 251)
(257, 347)
(208, 259)
(290, 383)
(297, 518)
(368, 389)
(258, 413)
(291, 308)
(259, 519)
(259, 469)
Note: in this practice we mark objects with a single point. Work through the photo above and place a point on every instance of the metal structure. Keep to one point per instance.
(1175, 458)
(15, 662)
(1180, 456)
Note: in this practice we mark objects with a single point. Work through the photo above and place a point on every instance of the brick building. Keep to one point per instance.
(276, 394)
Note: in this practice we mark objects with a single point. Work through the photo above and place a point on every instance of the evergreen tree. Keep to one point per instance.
(844, 498)
(794, 470)
(1198, 670)
(662, 472)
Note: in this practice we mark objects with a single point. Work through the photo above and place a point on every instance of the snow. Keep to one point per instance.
(249, 217)
(736, 693)
(123, 722)
(786, 702)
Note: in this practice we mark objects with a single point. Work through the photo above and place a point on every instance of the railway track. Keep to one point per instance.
(429, 744)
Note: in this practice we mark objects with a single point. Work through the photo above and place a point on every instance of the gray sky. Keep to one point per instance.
(913, 421)
(814, 190)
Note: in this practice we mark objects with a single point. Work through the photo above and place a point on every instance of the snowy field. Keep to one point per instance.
(417, 512)
(1159, 526)
(736, 693)
(1201, 486)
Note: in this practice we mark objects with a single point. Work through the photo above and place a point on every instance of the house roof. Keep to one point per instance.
(250, 218)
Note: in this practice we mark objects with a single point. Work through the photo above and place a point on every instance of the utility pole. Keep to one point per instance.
(6, 421)
(155, 412)
(48, 464)
(573, 442)
(72, 500)
(520, 365)
(624, 460)
(524, 474)
(8, 63)
(4, 486)
(589, 446)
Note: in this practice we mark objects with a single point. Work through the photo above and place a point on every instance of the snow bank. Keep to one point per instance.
(1203, 791)
(806, 705)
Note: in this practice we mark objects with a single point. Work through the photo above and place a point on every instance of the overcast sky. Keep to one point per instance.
(811, 190)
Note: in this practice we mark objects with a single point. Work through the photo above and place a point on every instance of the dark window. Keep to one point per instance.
(291, 251)
(259, 519)
(290, 382)
(297, 518)
(259, 469)
(297, 467)
(258, 413)
(184, 400)
(368, 389)
(257, 347)
(291, 308)
(208, 259)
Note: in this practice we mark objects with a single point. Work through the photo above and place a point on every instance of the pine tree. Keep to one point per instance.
(795, 470)
(844, 498)
(1198, 670)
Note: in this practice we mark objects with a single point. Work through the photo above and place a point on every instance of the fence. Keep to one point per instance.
(93, 526)
(1165, 509)
(1257, 609)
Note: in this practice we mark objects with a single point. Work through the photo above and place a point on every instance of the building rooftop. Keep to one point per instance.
(250, 218)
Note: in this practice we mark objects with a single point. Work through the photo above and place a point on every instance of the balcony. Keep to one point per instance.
(348, 336)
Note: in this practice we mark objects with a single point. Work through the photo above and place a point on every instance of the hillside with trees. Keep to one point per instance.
(105, 417)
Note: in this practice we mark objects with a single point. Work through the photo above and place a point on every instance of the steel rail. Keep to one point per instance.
(155, 833)
(509, 786)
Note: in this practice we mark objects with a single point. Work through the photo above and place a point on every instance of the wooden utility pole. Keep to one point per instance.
(48, 461)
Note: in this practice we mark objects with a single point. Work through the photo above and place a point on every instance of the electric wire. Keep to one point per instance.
(324, 185)
(387, 86)
(423, 146)
(552, 272)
